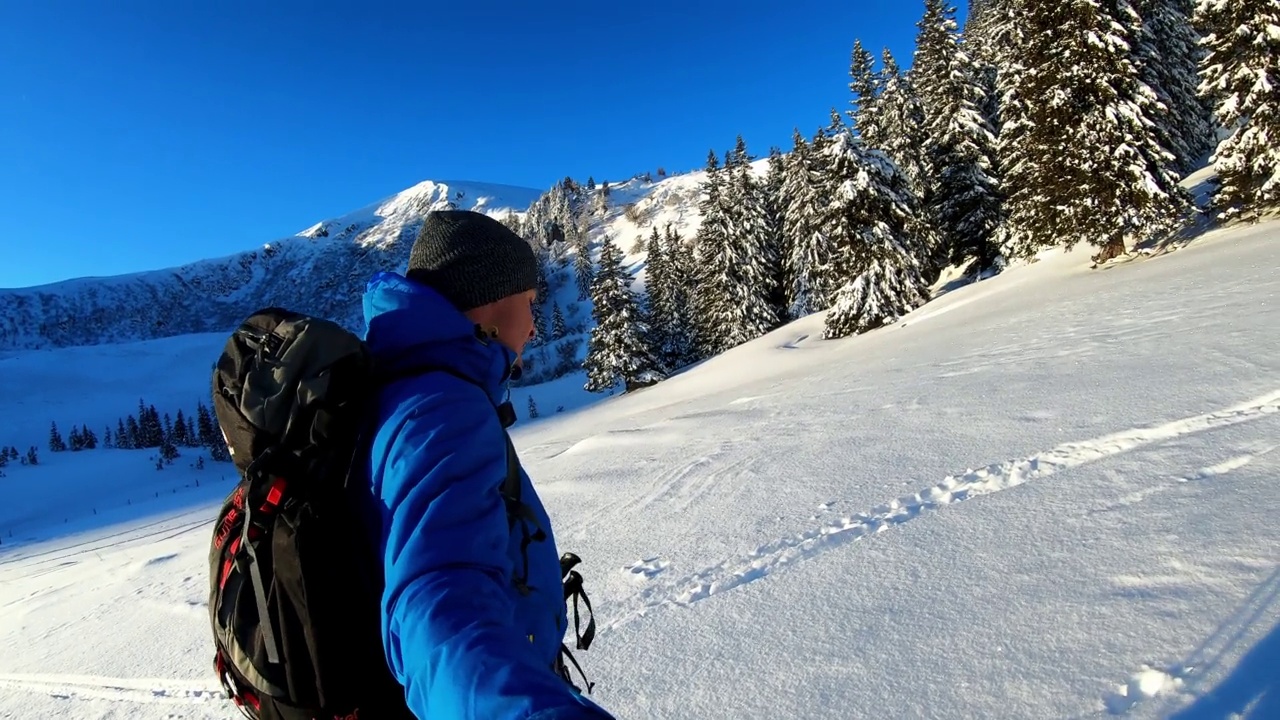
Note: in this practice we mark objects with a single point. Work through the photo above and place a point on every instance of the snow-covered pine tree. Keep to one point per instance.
(124, 440)
(156, 427)
(658, 305)
(583, 271)
(964, 203)
(168, 450)
(558, 329)
(900, 123)
(775, 217)
(180, 437)
(978, 28)
(1095, 171)
(1018, 151)
(1168, 56)
(88, 439)
(864, 86)
(542, 290)
(600, 201)
(513, 223)
(930, 72)
(616, 351)
(1241, 78)
(539, 325)
(135, 433)
(681, 268)
(711, 247)
(876, 229)
(74, 441)
(210, 435)
(107, 440)
(736, 259)
(754, 266)
(56, 443)
(804, 201)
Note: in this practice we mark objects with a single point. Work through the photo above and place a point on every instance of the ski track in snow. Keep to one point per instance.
(91, 687)
(165, 527)
(767, 558)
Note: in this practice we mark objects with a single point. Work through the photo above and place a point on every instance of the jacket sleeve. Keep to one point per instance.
(448, 606)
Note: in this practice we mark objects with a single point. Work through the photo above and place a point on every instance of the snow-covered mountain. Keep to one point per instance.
(321, 270)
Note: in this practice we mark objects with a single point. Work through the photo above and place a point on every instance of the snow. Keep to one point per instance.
(489, 198)
(1047, 494)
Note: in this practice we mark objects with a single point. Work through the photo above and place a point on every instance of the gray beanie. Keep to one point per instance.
(471, 259)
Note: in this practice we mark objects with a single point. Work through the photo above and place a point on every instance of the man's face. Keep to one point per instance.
(515, 321)
(511, 317)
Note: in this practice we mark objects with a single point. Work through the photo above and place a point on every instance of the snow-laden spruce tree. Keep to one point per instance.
(709, 245)
(771, 190)
(1083, 162)
(963, 199)
(876, 232)
(1241, 79)
(737, 263)
(617, 351)
(659, 302)
(558, 328)
(583, 270)
(898, 124)
(749, 273)
(930, 71)
(805, 197)
(864, 85)
(681, 291)
(1169, 57)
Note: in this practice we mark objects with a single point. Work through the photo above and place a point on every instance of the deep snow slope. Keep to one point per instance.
(1051, 494)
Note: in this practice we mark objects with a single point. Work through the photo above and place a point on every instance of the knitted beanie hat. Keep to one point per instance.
(471, 259)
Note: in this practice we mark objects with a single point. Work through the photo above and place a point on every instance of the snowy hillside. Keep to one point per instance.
(1051, 494)
(321, 270)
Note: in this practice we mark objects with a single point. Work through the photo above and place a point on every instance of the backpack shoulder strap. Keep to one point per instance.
(511, 487)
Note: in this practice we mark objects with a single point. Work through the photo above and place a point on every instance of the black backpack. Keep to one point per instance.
(295, 582)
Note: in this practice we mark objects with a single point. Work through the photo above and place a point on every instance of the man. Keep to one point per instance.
(472, 622)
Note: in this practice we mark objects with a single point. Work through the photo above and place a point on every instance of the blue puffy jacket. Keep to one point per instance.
(459, 637)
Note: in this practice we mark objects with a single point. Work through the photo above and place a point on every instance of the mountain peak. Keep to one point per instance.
(414, 202)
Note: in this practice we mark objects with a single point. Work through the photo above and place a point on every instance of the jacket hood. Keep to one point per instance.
(411, 325)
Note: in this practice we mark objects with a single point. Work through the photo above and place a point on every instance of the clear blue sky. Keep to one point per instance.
(141, 134)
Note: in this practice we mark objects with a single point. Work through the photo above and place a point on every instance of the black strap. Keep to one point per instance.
(573, 589)
(563, 670)
(259, 588)
(511, 487)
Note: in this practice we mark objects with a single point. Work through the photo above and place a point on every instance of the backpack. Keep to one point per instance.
(295, 581)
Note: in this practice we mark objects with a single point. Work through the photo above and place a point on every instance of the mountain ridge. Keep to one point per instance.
(320, 270)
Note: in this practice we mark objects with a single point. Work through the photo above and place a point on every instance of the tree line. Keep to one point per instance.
(1044, 123)
(147, 428)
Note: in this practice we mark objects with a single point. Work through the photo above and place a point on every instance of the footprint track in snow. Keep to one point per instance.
(770, 557)
(1223, 468)
(647, 569)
